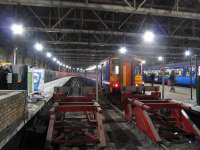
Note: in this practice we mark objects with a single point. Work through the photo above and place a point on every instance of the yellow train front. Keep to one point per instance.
(122, 73)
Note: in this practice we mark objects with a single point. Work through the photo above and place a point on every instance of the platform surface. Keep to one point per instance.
(34, 108)
(181, 94)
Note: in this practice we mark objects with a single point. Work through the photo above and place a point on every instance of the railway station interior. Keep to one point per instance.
(99, 75)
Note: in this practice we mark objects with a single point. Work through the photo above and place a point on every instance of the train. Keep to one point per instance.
(118, 73)
(185, 74)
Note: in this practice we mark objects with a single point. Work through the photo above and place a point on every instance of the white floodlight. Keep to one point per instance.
(48, 54)
(54, 59)
(187, 53)
(123, 50)
(143, 62)
(149, 37)
(38, 46)
(17, 29)
(160, 58)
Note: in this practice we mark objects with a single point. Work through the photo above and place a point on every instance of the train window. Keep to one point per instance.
(115, 66)
(179, 73)
(199, 70)
(116, 69)
(187, 73)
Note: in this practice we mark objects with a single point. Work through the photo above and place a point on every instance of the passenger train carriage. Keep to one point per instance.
(182, 71)
(118, 73)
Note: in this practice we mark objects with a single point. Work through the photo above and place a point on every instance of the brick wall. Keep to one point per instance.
(12, 105)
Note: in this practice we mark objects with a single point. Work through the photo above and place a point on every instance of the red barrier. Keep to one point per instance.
(152, 116)
(88, 123)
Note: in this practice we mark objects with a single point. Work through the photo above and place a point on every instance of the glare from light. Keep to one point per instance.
(187, 53)
(117, 69)
(149, 37)
(160, 58)
(54, 59)
(48, 54)
(123, 50)
(99, 66)
(58, 62)
(91, 68)
(38, 46)
(143, 62)
(17, 29)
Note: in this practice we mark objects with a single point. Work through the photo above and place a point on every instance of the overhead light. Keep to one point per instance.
(187, 53)
(123, 50)
(38, 46)
(48, 54)
(54, 59)
(160, 58)
(143, 62)
(17, 29)
(58, 62)
(149, 37)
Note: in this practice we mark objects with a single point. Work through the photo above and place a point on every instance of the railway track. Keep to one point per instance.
(121, 135)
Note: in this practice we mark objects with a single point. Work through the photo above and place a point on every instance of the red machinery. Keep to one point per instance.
(127, 103)
(162, 120)
(75, 121)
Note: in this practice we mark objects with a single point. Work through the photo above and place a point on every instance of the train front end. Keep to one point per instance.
(125, 73)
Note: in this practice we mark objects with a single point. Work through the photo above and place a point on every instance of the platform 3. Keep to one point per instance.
(34, 108)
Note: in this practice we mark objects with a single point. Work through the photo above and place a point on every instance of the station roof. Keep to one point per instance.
(84, 32)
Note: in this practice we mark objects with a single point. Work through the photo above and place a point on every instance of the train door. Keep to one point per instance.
(138, 81)
(114, 74)
(126, 73)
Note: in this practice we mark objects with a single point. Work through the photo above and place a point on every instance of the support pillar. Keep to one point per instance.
(97, 82)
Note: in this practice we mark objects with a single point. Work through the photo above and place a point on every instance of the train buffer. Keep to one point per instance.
(164, 121)
(75, 121)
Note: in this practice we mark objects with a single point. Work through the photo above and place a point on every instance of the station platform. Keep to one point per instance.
(181, 94)
(33, 108)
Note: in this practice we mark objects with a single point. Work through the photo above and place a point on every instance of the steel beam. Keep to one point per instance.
(114, 33)
(104, 7)
(62, 18)
(82, 54)
(103, 45)
(82, 58)
(88, 51)
(133, 52)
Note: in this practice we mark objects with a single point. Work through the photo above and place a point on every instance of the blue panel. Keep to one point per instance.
(184, 80)
(107, 71)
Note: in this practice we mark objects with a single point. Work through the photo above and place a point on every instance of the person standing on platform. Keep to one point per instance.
(152, 79)
(1, 78)
(172, 79)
